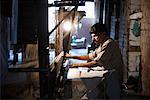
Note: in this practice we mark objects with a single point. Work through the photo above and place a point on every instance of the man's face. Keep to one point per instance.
(98, 38)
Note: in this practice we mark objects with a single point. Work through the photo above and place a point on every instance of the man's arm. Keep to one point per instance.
(88, 64)
(83, 57)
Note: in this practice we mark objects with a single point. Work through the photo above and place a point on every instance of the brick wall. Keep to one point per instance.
(134, 41)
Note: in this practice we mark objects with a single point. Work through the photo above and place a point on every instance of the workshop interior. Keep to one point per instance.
(36, 34)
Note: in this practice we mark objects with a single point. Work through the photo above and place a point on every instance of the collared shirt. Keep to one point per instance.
(109, 56)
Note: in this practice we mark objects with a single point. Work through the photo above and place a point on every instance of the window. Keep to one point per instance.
(89, 9)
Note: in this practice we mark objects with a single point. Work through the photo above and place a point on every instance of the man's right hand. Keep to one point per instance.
(67, 55)
(74, 65)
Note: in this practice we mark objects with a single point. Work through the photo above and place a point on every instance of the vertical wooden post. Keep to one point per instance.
(59, 34)
(42, 23)
(145, 47)
(3, 47)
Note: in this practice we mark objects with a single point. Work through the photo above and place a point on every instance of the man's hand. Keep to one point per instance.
(67, 55)
(74, 65)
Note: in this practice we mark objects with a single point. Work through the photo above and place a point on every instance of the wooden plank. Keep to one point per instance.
(145, 47)
(134, 49)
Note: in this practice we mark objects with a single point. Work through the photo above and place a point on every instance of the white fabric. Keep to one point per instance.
(74, 73)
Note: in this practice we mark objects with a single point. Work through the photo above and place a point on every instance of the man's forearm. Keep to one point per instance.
(88, 64)
(84, 57)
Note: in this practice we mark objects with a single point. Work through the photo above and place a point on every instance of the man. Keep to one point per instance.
(107, 55)
(93, 44)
